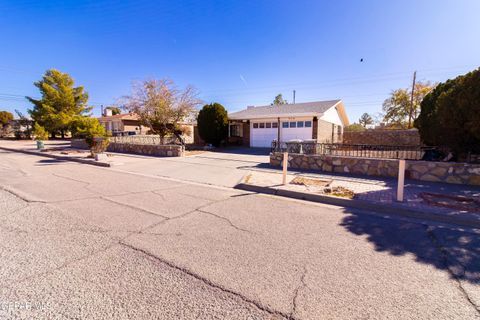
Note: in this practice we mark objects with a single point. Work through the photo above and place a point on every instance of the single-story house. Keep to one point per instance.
(123, 124)
(129, 124)
(322, 121)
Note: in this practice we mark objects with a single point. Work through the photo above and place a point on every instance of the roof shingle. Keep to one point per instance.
(308, 108)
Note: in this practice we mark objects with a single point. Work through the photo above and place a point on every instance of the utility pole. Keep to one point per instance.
(293, 96)
(410, 114)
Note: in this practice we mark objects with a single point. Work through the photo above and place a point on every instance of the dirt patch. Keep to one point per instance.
(193, 152)
(248, 177)
(310, 182)
(451, 201)
(340, 192)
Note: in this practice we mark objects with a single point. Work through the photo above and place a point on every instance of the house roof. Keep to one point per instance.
(124, 116)
(316, 108)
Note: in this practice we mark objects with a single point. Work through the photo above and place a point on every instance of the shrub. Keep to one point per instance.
(450, 115)
(213, 123)
(355, 127)
(39, 132)
(93, 132)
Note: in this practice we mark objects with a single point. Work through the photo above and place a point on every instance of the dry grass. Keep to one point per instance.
(340, 192)
(308, 182)
(248, 177)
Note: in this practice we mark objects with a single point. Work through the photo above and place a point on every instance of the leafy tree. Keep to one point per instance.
(213, 123)
(450, 115)
(162, 107)
(5, 118)
(61, 102)
(365, 120)
(355, 127)
(115, 110)
(398, 108)
(279, 100)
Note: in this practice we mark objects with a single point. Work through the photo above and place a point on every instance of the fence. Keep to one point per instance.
(352, 150)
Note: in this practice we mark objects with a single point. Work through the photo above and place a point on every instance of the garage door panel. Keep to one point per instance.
(262, 137)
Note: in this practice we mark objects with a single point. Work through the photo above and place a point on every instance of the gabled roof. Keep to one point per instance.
(316, 108)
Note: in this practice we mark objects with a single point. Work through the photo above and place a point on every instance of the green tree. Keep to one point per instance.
(355, 127)
(115, 110)
(213, 123)
(5, 118)
(450, 115)
(162, 107)
(365, 120)
(398, 108)
(61, 102)
(279, 100)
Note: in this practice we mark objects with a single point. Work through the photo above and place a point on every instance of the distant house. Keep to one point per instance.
(322, 121)
(129, 124)
(123, 124)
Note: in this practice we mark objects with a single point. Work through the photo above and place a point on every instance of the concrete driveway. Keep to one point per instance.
(78, 241)
(222, 168)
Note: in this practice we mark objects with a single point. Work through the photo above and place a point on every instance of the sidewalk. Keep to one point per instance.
(457, 204)
(55, 149)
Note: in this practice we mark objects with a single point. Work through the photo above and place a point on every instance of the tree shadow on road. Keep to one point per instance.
(454, 250)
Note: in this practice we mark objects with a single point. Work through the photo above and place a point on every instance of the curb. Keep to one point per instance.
(360, 204)
(64, 158)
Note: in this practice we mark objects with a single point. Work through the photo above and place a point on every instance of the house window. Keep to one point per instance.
(262, 125)
(274, 124)
(308, 124)
(299, 124)
(284, 124)
(268, 125)
(236, 130)
(293, 124)
(255, 125)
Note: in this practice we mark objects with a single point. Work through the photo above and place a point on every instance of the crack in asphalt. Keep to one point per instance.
(133, 207)
(21, 196)
(208, 282)
(225, 219)
(445, 261)
(297, 291)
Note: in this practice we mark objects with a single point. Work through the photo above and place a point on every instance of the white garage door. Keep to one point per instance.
(263, 133)
(296, 130)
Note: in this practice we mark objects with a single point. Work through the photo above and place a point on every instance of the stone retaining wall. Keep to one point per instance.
(143, 149)
(383, 137)
(79, 144)
(449, 172)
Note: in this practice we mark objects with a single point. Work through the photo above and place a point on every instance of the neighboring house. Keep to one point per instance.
(259, 126)
(129, 124)
(123, 124)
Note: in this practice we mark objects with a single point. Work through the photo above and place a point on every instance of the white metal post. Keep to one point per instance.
(285, 164)
(401, 180)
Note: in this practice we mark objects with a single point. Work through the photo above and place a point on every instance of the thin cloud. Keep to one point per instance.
(243, 80)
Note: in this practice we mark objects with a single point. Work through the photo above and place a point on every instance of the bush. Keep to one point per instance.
(450, 115)
(213, 123)
(39, 132)
(355, 127)
(92, 131)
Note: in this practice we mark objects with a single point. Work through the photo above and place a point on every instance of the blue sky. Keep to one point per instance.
(238, 53)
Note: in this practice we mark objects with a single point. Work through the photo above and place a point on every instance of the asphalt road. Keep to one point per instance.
(84, 242)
